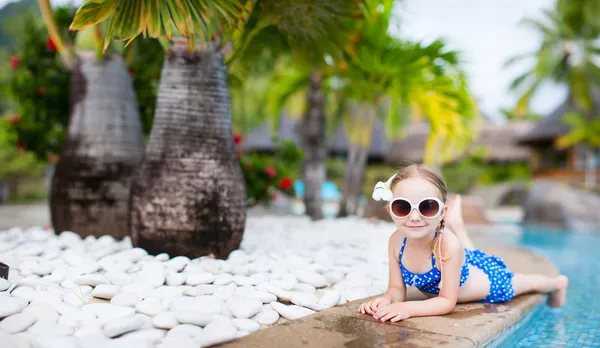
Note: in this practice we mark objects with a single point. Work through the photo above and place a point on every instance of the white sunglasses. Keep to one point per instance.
(429, 207)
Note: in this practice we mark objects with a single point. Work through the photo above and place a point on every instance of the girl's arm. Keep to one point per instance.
(396, 291)
(445, 302)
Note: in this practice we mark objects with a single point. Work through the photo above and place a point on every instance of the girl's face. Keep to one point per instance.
(415, 226)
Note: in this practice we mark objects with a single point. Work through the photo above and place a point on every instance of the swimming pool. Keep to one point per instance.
(578, 323)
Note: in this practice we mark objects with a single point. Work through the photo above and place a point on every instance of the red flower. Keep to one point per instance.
(237, 139)
(271, 172)
(12, 119)
(285, 183)
(41, 90)
(51, 45)
(14, 62)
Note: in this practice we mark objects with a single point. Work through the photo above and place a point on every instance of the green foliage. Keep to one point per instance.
(582, 130)
(10, 16)
(38, 88)
(15, 160)
(265, 173)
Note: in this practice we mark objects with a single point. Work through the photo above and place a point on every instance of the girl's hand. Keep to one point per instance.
(393, 312)
(371, 306)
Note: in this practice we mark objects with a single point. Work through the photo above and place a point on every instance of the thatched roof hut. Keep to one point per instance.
(259, 139)
(499, 140)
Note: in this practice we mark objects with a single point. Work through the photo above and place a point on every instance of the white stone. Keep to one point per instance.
(177, 263)
(251, 292)
(218, 332)
(175, 279)
(143, 289)
(17, 322)
(91, 279)
(153, 272)
(243, 307)
(291, 312)
(42, 311)
(189, 290)
(150, 307)
(315, 279)
(259, 278)
(357, 293)
(194, 318)
(49, 328)
(223, 279)
(305, 288)
(124, 325)
(206, 289)
(303, 299)
(162, 257)
(247, 325)
(242, 280)
(76, 298)
(43, 268)
(281, 294)
(150, 336)
(199, 278)
(266, 316)
(129, 299)
(105, 291)
(4, 284)
(185, 330)
(11, 305)
(287, 282)
(166, 292)
(107, 311)
(89, 330)
(115, 265)
(203, 304)
(225, 291)
(50, 340)
(330, 298)
(77, 319)
(166, 320)
(179, 342)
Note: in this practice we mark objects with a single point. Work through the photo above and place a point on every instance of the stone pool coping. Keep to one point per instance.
(469, 325)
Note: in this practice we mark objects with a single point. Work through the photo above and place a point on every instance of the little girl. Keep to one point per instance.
(443, 264)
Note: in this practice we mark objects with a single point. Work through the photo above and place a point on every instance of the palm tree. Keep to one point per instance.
(188, 197)
(104, 143)
(399, 80)
(568, 57)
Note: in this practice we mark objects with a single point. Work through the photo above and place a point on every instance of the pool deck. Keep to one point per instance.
(469, 325)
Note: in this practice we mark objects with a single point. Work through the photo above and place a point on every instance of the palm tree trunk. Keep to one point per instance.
(104, 144)
(314, 149)
(590, 167)
(353, 179)
(189, 197)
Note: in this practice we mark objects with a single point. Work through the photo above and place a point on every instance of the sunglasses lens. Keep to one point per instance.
(429, 208)
(401, 208)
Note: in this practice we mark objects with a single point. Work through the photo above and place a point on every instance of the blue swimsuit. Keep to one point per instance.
(501, 289)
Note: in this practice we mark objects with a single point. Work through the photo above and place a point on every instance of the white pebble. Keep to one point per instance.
(129, 299)
(166, 320)
(199, 278)
(150, 307)
(175, 279)
(105, 291)
(194, 318)
(246, 325)
(17, 322)
(124, 325)
(266, 316)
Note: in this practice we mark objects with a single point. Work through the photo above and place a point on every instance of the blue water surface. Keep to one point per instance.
(577, 324)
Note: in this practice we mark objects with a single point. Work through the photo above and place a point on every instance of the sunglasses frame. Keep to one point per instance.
(416, 206)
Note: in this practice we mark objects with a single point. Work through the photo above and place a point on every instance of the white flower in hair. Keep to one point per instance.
(382, 190)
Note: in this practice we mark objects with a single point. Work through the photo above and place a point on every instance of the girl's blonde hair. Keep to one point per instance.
(436, 179)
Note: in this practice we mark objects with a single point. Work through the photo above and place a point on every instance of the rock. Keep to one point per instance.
(243, 307)
(124, 325)
(557, 204)
(91, 279)
(153, 272)
(303, 287)
(4, 284)
(150, 307)
(291, 312)
(107, 311)
(200, 278)
(185, 330)
(287, 282)
(223, 279)
(50, 340)
(205, 289)
(315, 279)
(330, 299)
(17, 322)
(218, 332)
(175, 279)
(303, 299)
(189, 290)
(162, 257)
(357, 293)
(202, 304)
(42, 311)
(246, 325)
(89, 330)
(177, 263)
(142, 289)
(77, 319)
(105, 291)
(252, 293)
(179, 342)
(41, 328)
(166, 292)
(149, 336)
(194, 318)
(266, 316)
(166, 320)
(129, 299)
(11, 305)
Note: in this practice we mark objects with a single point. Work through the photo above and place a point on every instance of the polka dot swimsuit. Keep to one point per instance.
(500, 276)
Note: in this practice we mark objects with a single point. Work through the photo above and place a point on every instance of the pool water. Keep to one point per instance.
(577, 324)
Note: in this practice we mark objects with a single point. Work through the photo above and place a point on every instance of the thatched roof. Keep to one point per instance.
(499, 140)
(259, 139)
